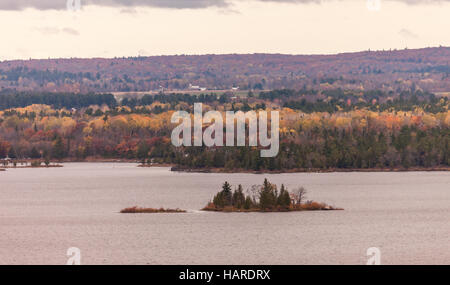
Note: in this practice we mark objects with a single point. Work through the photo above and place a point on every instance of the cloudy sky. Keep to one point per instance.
(108, 28)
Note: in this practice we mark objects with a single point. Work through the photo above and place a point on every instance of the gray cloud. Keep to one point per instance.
(129, 10)
(56, 31)
(62, 4)
(70, 31)
(322, 1)
(48, 30)
(39, 4)
(405, 33)
(174, 4)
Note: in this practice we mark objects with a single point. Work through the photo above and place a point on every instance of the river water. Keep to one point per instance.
(43, 212)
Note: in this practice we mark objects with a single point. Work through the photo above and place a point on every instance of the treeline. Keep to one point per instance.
(56, 100)
(402, 103)
(11, 99)
(342, 94)
(331, 101)
(325, 149)
(43, 76)
(305, 100)
(173, 99)
(265, 198)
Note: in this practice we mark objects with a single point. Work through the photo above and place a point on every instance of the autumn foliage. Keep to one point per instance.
(363, 136)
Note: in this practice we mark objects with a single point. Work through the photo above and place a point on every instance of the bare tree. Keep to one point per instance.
(299, 195)
(254, 192)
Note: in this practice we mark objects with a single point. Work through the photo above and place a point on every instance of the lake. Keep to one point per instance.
(43, 212)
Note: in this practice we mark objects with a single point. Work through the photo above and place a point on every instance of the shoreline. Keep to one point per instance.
(257, 210)
(21, 167)
(311, 170)
(140, 210)
(176, 168)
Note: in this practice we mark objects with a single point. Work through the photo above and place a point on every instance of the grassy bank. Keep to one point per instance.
(138, 210)
(310, 206)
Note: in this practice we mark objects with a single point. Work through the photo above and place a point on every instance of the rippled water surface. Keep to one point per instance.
(43, 212)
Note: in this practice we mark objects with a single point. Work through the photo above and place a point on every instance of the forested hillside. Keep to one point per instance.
(396, 70)
(318, 130)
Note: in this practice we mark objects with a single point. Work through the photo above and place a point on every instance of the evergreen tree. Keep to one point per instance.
(248, 203)
(35, 153)
(227, 194)
(58, 150)
(142, 151)
(284, 200)
(238, 198)
(267, 196)
(12, 153)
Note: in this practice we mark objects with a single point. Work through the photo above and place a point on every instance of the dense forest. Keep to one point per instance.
(319, 130)
(304, 100)
(9, 99)
(330, 148)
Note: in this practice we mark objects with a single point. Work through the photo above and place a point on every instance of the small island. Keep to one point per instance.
(260, 198)
(138, 210)
(264, 198)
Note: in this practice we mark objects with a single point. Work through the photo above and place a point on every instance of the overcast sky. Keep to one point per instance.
(108, 28)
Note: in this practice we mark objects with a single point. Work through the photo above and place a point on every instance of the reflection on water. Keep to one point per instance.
(43, 212)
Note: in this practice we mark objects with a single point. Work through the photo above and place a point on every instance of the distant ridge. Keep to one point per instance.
(395, 70)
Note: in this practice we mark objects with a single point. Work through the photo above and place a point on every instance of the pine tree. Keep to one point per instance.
(238, 197)
(284, 199)
(142, 151)
(12, 153)
(268, 196)
(34, 153)
(248, 203)
(58, 150)
(227, 194)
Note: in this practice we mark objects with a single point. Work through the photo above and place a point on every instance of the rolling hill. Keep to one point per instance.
(426, 69)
